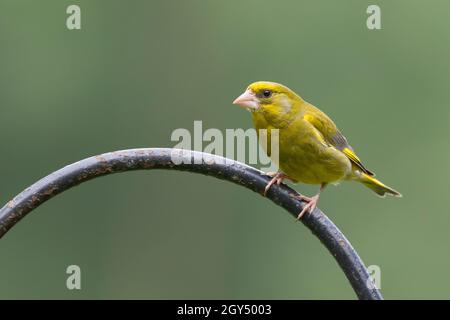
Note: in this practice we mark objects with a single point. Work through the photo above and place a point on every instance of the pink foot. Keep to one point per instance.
(310, 205)
(277, 177)
(303, 198)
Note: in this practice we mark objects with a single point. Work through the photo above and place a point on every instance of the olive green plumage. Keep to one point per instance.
(312, 150)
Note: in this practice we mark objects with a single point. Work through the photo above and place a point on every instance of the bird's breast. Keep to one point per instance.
(304, 157)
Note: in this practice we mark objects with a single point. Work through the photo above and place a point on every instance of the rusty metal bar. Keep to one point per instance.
(225, 169)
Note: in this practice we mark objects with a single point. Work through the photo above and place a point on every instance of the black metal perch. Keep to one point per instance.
(226, 169)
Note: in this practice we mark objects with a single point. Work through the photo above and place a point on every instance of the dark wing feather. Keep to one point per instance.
(332, 135)
(340, 142)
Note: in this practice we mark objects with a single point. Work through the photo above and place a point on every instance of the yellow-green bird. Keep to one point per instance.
(311, 148)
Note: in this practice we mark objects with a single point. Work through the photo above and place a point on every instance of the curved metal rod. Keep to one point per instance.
(222, 168)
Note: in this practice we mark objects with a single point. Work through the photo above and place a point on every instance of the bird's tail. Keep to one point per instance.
(377, 186)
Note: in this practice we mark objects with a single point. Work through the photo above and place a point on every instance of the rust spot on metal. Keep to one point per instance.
(148, 165)
(105, 170)
(101, 158)
(51, 191)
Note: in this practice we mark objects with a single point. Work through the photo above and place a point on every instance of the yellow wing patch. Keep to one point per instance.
(354, 158)
(332, 135)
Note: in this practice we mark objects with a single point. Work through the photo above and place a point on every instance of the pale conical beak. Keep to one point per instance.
(247, 100)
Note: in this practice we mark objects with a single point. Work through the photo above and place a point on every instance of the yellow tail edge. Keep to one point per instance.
(378, 187)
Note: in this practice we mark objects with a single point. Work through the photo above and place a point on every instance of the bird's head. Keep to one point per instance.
(267, 96)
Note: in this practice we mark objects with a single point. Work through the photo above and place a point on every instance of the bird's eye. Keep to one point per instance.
(267, 93)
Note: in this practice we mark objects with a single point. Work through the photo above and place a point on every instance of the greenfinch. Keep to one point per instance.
(311, 148)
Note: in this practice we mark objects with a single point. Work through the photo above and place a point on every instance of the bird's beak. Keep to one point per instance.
(247, 100)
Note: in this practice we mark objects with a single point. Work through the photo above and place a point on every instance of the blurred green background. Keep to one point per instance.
(137, 70)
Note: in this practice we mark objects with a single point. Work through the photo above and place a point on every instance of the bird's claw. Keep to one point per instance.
(302, 198)
(277, 178)
(310, 205)
(271, 174)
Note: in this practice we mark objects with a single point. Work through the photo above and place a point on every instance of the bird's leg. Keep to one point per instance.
(311, 203)
(277, 177)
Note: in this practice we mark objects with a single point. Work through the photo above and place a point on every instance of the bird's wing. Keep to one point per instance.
(333, 136)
